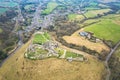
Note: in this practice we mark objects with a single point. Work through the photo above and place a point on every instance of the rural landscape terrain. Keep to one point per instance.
(59, 39)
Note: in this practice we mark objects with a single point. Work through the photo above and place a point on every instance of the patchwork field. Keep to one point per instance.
(108, 28)
(50, 7)
(50, 69)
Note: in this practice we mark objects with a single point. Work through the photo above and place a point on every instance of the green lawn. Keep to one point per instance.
(106, 29)
(73, 55)
(41, 38)
(50, 7)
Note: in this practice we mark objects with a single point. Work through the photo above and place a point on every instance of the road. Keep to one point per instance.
(112, 51)
(108, 58)
(20, 40)
(19, 45)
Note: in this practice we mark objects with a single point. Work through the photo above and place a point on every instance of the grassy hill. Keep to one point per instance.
(19, 68)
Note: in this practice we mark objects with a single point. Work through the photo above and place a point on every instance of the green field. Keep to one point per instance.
(8, 4)
(94, 13)
(73, 55)
(3, 10)
(107, 28)
(50, 7)
(41, 38)
(73, 17)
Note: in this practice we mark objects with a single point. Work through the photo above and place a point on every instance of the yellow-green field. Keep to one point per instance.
(41, 38)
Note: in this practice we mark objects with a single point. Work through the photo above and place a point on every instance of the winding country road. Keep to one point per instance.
(107, 59)
(112, 51)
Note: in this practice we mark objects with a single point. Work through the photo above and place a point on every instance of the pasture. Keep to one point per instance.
(108, 28)
(50, 7)
(73, 17)
(95, 13)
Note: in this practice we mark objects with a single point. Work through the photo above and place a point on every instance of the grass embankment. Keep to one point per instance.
(19, 68)
(108, 28)
(72, 54)
(50, 7)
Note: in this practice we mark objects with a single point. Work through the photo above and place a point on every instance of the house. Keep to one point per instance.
(84, 34)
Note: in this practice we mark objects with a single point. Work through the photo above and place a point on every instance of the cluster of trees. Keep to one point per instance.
(8, 40)
(2, 56)
(8, 15)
